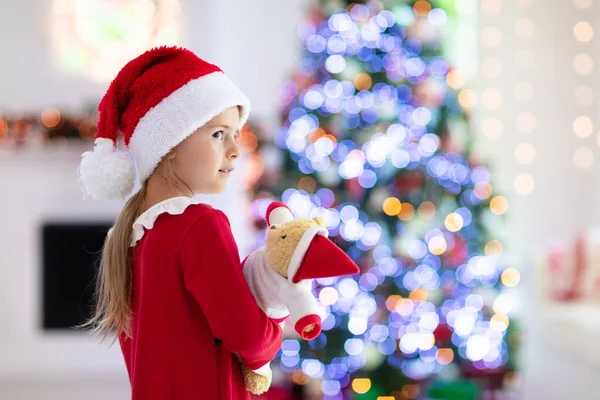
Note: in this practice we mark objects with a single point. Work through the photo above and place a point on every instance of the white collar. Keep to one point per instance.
(173, 206)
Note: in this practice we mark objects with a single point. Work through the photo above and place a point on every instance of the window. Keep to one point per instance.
(98, 37)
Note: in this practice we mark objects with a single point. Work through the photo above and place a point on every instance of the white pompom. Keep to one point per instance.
(106, 173)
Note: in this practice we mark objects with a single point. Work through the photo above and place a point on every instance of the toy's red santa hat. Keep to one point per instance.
(156, 101)
(315, 256)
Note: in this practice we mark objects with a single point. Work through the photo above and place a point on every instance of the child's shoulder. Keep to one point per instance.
(204, 211)
(204, 224)
(201, 215)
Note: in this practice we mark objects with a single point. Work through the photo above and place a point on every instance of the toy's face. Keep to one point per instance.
(282, 240)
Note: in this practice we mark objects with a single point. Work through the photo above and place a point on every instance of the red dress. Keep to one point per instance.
(191, 308)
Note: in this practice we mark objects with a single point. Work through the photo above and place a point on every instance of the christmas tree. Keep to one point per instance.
(375, 140)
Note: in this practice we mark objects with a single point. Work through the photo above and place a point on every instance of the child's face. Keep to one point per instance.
(206, 158)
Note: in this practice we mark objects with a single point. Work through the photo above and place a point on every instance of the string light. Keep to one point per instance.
(524, 183)
(510, 277)
(455, 79)
(524, 28)
(50, 117)
(361, 385)
(499, 205)
(467, 98)
(454, 222)
(583, 157)
(583, 31)
(392, 206)
(51, 124)
(426, 210)
(583, 126)
(444, 356)
(407, 212)
(493, 248)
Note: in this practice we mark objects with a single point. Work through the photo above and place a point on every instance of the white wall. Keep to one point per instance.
(559, 184)
(565, 197)
(37, 187)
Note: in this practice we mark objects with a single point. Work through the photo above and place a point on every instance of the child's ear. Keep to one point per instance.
(320, 221)
(171, 155)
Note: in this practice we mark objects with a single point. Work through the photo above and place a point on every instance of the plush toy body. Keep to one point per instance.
(280, 276)
(275, 295)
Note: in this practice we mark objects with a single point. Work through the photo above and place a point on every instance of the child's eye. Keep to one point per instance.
(219, 135)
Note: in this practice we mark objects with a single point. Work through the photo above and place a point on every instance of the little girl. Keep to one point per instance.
(170, 283)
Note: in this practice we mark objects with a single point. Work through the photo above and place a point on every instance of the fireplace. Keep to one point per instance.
(70, 258)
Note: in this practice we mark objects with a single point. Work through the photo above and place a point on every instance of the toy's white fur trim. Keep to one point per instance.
(179, 115)
(301, 301)
(280, 215)
(265, 370)
(106, 173)
(302, 247)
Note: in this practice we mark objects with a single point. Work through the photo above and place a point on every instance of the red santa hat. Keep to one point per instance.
(156, 101)
(315, 256)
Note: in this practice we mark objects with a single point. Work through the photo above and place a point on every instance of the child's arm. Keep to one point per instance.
(213, 274)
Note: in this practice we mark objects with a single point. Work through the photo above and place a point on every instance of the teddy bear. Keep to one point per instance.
(280, 276)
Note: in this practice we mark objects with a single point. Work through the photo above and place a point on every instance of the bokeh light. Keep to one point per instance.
(583, 157)
(583, 126)
(524, 183)
(525, 153)
(510, 277)
(583, 31)
(499, 205)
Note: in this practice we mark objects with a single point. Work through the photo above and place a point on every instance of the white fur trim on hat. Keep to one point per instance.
(280, 215)
(265, 370)
(302, 248)
(106, 173)
(178, 115)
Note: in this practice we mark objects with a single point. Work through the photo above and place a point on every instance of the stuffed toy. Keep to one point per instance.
(280, 275)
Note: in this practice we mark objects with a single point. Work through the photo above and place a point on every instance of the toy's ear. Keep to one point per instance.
(320, 221)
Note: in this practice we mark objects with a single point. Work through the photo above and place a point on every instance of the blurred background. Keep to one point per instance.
(450, 145)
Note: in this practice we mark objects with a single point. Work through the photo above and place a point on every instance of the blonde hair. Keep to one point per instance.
(113, 282)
